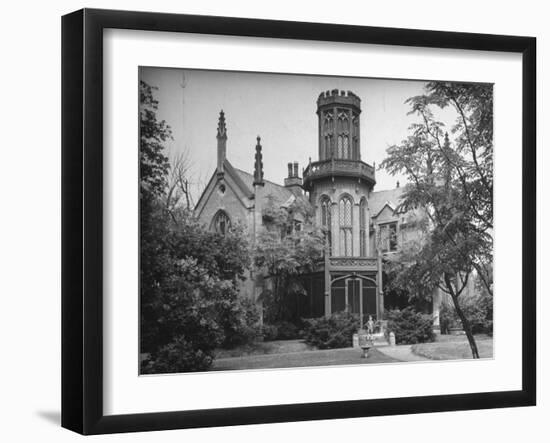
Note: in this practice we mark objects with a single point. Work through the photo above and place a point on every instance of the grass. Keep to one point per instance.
(328, 357)
(454, 347)
(264, 347)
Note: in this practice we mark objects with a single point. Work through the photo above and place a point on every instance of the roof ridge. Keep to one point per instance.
(230, 168)
(265, 180)
(387, 190)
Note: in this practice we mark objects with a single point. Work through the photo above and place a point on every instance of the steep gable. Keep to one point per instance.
(380, 200)
(236, 197)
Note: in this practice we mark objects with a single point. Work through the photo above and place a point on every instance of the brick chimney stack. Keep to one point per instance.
(293, 181)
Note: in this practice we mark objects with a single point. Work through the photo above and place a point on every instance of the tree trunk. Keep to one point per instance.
(466, 326)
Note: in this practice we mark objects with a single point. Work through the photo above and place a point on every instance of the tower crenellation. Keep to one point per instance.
(337, 96)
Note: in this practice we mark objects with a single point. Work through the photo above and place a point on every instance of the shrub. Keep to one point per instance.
(286, 331)
(478, 310)
(409, 326)
(283, 330)
(333, 332)
(241, 324)
(270, 332)
(179, 356)
(447, 319)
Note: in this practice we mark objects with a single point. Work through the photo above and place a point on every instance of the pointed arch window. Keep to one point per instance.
(355, 136)
(326, 220)
(328, 153)
(345, 212)
(221, 223)
(327, 132)
(345, 147)
(363, 227)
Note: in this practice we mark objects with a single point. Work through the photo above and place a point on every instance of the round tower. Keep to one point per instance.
(339, 135)
(339, 183)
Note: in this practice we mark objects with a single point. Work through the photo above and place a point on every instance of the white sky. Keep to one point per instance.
(280, 108)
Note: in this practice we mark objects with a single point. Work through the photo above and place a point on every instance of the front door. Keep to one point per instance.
(354, 294)
(361, 296)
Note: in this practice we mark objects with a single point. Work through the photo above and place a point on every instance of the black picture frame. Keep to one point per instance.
(82, 218)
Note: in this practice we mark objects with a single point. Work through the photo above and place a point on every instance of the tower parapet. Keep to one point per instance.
(336, 96)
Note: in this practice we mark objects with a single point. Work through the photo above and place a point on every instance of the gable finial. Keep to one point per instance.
(222, 141)
(222, 130)
(258, 165)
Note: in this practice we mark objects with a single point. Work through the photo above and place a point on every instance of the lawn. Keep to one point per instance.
(328, 357)
(264, 347)
(454, 347)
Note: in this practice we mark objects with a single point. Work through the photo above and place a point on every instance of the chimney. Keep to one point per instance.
(397, 184)
(222, 139)
(293, 182)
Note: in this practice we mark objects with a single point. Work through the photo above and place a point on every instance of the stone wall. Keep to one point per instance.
(224, 195)
(335, 191)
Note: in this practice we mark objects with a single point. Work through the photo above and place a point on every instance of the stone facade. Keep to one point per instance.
(362, 225)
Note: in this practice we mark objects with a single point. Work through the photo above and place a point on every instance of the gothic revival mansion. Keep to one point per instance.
(361, 224)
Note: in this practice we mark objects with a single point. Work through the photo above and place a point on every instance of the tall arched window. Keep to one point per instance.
(363, 227)
(343, 130)
(345, 210)
(221, 223)
(345, 147)
(328, 153)
(327, 132)
(326, 220)
(355, 137)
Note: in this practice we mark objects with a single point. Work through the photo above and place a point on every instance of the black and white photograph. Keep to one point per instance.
(272, 222)
(306, 221)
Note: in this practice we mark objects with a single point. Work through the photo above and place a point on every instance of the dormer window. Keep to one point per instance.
(388, 237)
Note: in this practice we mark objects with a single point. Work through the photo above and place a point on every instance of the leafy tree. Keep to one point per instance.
(153, 164)
(288, 248)
(188, 275)
(154, 259)
(191, 303)
(451, 184)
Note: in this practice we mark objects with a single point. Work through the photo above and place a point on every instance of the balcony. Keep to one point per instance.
(348, 264)
(353, 263)
(337, 168)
